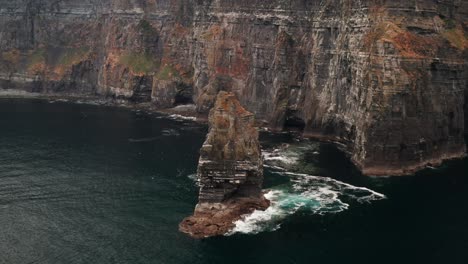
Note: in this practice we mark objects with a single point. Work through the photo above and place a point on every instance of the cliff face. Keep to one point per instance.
(386, 78)
(230, 171)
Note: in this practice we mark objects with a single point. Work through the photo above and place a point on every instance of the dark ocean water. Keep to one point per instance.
(93, 184)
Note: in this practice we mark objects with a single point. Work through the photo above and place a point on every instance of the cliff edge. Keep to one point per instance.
(230, 171)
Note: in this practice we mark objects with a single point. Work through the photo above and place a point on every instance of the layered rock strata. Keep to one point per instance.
(388, 79)
(230, 171)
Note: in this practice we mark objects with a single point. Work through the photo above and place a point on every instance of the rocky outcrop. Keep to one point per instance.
(386, 78)
(230, 171)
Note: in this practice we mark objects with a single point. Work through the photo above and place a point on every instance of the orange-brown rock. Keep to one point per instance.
(215, 219)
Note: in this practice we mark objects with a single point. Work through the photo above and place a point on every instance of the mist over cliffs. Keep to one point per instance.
(387, 79)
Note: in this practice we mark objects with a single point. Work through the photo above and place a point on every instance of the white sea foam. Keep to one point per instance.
(194, 177)
(280, 156)
(170, 132)
(181, 117)
(287, 156)
(58, 101)
(304, 192)
(260, 221)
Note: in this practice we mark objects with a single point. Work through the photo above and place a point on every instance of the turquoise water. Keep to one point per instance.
(93, 184)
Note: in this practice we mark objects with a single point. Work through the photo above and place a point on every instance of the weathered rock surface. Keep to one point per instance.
(230, 171)
(386, 78)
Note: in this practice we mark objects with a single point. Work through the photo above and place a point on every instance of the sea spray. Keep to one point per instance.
(304, 192)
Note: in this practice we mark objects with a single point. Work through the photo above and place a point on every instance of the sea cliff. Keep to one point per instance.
(386, 79)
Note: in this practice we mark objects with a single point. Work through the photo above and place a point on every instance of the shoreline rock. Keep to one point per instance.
(230, 171)
(216, 219)
(382, 171)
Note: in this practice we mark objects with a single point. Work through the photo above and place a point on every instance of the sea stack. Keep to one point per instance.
(230, 171)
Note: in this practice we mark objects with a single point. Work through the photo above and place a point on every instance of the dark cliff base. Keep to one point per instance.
(403, 170)
(370, 169)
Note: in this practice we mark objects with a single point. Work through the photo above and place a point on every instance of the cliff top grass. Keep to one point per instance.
(141, 63)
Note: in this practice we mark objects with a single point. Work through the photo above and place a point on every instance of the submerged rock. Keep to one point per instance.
(230, 171)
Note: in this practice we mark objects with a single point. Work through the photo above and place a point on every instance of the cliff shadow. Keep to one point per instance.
(293, 122)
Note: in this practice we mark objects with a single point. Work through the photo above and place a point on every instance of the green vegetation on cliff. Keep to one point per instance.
(167, 72)
(37, 56)
(139, 62)
(146, 27)
(72, 56)
(456, 37)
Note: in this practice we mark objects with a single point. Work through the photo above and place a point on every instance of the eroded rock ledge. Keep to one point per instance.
(230, 171)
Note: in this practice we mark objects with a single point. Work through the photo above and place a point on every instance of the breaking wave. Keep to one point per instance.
(288, 157)
(303, 193)
(170, 132)
(280, 156)
(181, 117)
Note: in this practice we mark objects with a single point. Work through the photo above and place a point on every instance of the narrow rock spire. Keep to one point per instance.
(230, 171)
